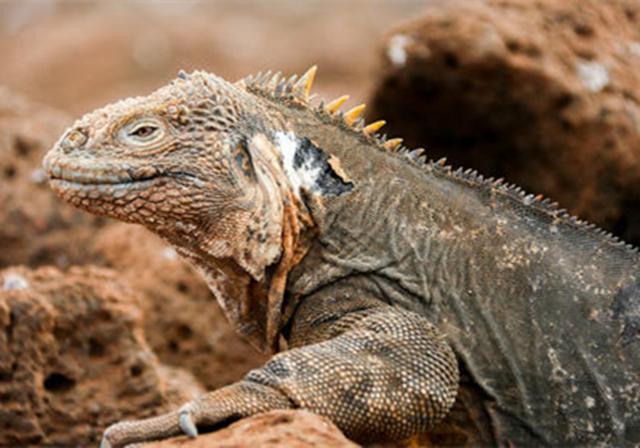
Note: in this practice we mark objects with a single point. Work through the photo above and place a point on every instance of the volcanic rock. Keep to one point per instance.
(544, 94)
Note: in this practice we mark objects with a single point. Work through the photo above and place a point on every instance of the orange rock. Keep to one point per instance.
(292, 429)
(73, 358)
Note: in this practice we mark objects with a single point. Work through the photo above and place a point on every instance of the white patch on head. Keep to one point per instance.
(304, 176)
(397, 49)
(594, 76)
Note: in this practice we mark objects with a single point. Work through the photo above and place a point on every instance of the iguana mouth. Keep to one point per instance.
(124, 176)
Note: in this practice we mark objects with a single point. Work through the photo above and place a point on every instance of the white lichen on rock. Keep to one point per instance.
(594, 76)
(14, 281)
(397, 49)
(169, 253)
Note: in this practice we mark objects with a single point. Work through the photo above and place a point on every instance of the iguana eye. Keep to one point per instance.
(144, 131)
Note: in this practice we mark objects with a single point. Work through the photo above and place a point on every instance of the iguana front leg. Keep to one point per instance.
(378, 372)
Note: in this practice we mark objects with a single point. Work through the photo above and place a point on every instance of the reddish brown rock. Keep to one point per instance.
(542, 93)
(115, 54)
(183, 323)
(293, 429)
(73, 358)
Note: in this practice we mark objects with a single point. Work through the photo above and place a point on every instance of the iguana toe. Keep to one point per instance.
(104, 443)
(186, 423)
(130, 432)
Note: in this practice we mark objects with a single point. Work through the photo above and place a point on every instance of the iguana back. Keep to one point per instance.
(542, 309)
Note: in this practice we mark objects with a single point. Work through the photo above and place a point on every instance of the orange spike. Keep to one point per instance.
(373, 127)
(306, 81)
(334, 105)
(352, 115)
(392, 144)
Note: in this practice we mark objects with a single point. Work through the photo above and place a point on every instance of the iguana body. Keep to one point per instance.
(373, 265)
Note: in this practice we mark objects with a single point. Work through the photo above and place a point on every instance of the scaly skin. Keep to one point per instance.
(383, 273)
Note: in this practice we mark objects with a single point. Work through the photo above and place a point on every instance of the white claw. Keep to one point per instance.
(104, 443)
(186, 424)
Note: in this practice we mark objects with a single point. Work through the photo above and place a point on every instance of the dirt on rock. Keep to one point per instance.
(293, 429)
(544, 94)
(73, 358)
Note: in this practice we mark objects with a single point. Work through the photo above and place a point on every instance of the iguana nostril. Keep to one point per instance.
(74, 139)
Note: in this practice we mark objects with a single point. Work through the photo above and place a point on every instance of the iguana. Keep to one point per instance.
(381, 277)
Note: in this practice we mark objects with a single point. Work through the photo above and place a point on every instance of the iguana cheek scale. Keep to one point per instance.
(389, 282)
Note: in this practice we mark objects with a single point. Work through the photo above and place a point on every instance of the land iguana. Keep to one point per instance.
(379, 276)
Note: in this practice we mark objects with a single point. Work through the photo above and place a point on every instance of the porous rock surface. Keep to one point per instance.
(73, 358)
(544, 93)
(294, 429)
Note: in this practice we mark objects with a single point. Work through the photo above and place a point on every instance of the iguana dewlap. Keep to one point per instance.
(381, 274)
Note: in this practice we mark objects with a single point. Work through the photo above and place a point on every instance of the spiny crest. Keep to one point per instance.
(275, 85)
(298, 91)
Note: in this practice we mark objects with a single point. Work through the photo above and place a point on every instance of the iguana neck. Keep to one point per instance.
(248, 275)
(255, 306)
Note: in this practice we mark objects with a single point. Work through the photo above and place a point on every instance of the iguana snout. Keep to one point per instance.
(174, 156)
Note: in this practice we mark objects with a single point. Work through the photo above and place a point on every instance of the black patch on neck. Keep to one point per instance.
(312, 157)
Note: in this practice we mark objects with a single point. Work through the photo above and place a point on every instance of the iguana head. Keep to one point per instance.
(197, 163)
(176, 161)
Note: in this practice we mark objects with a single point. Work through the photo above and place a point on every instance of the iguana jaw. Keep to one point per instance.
(111, 174)
(118, 190)
(108, 181)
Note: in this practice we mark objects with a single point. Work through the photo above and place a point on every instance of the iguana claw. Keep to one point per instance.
(104, 443)
(186, 424)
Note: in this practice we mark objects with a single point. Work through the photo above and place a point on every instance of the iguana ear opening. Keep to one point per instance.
(242, 160)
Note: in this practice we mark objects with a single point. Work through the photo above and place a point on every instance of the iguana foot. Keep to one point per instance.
(212, 409)
(134, 431)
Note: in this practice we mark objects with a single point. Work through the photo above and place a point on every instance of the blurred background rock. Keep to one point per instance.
(77, 55)
(544, 93)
